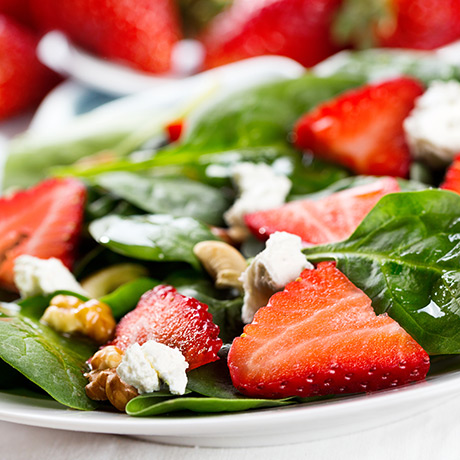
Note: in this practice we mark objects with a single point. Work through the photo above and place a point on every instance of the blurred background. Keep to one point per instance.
(170, 39)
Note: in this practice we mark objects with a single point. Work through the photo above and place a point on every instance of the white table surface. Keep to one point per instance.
(434, 434)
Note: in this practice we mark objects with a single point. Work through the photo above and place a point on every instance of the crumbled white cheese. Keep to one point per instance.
(144, 367)
(259, 188)
(278, 264)
(433, 127)
(34, 276)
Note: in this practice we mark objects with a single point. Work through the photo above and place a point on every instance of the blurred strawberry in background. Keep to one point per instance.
(418, 24)
(141, 33)
(18, 10)
(23, 80)
(299, 29)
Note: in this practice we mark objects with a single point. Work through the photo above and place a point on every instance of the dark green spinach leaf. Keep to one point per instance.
(177, 196)
(152, 237)
(53, 362)
(406, 256)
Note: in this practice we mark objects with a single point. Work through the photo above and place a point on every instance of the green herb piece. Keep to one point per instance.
(152, 237)
(406, 256)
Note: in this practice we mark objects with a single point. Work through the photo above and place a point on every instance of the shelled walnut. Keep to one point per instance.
(71, 315)
(106, 384)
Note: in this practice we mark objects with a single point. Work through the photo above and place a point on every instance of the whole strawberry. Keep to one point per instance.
(299, 29)
(141, 33)
(23, 80)
(420, 24)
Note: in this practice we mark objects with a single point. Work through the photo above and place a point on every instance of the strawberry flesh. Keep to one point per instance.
(330, 219)
(362, 129)
(452, 179)
(43, 221)
(321, 336)
(172, 319)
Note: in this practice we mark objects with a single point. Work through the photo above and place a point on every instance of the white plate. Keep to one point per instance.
(266, 427)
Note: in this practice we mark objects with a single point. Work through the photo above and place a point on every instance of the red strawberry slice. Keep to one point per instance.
(321, 336)
(362, 129)
(330, 219)
(141, 33)
(299, 29)
(24, 81)
(43, 221)
(172, 319)
(452, 179)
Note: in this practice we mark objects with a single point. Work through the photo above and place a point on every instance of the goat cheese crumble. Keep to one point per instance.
(433, 127)
(259, 188)
(34, 276)
(146, 366)
(278, 264)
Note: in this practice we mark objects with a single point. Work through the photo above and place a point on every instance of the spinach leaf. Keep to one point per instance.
(247, 126)
(148, 405)
(213, 380)
(377, 64)
(53, 362)
(212, 391)
(406, 256)
(177, 196)
(261, 116)
(152, 237)
(126, 297)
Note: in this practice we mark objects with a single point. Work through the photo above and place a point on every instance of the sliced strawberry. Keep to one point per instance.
(452, 179)
(321, 336)
(172, 319)
(43, 221)
(362, 129)
(330, 219)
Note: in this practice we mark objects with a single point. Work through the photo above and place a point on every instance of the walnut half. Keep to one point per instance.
(106, 384)
(72, 315)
